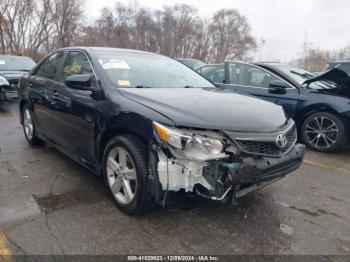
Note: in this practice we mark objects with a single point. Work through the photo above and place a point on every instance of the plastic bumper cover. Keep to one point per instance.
(264, 169)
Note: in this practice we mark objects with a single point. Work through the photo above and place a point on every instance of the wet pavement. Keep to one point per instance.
(51, 205)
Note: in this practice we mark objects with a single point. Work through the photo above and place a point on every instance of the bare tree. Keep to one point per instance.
(67, 18)
(176, 31)
(35, 27)
(342, 54)
(314, 59)
(145, 31)
(230, 36)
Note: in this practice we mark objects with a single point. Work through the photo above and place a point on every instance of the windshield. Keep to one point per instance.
(127, 69)
(300, 75)
(12, 63)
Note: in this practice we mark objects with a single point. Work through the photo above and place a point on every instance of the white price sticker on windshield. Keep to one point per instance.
(116, 64)
(2, 62)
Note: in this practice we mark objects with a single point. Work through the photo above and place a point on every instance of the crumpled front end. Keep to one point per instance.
(224, 165)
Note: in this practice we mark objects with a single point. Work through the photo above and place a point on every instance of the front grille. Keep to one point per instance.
(268, 148)
(13, 84)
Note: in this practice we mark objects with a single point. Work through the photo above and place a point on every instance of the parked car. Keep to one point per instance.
(11, 69)
(150, 125)
(191, 63)
(319, 105)
(343, 65)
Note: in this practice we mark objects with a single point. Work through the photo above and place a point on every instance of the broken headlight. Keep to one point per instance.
(189, 144)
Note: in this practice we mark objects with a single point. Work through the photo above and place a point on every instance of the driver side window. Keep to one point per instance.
(76, 63)
(250, 75)
(215, 73)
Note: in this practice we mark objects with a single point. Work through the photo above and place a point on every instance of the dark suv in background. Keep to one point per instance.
(343, 65)
(318, 104)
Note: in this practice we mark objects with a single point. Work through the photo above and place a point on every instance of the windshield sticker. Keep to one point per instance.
(123, 82)
(116, 64)
(2, 62)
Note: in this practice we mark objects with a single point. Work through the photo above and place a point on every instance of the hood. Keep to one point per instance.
(12, 75)
(212, 108)
(335, 75)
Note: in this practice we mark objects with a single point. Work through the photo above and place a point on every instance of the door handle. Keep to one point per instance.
(51, 96)
(54, 95)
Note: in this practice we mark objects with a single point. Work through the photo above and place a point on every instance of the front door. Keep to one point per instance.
(247, 78)
(42, 85)
(74, 112)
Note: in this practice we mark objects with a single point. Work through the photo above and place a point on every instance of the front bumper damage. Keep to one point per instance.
(214, 179)
(231, 176)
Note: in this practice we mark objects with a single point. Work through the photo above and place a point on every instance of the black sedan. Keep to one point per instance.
(319, 105)
(151, 126)
(11, 70)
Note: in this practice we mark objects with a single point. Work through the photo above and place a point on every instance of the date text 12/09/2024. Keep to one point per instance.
(173, 258)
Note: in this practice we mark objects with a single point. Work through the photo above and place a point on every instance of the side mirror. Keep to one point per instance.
(80, 82)
(277, 87)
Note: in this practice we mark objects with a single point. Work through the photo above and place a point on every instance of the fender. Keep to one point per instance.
(125, 122)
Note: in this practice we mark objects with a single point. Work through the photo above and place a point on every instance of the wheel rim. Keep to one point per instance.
(28, 124)
(321, 132)
(121, 173)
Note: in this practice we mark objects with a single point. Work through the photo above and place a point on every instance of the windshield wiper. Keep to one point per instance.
(142, 86)
(188, 87)
(11, 70)
(305, 75)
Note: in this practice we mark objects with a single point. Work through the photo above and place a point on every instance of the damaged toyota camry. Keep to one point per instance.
(151, 126)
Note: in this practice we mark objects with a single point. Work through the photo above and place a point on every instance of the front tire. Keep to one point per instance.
(126, 174)
(323, 132)
(29, 127)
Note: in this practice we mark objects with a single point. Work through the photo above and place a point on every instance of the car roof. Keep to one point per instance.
(271, 63)
(94, 49)
(13, 56)
(188, 59)
(340, 62)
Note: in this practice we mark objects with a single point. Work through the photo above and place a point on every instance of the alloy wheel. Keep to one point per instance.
(28, 124)
(321, 132)
(121, 174)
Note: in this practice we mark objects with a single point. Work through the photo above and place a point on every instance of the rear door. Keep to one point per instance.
(253, 80)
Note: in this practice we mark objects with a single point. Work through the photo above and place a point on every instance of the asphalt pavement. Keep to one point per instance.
(51, 205)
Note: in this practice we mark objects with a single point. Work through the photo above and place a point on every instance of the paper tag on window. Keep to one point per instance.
(123, 82)
(116, 64)
(2, 62)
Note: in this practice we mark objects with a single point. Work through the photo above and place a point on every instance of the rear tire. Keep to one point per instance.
(29, 128)
(323, 132)
(126, 174)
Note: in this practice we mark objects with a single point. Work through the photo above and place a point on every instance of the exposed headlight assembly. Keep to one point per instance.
(3, 81)
(189, 144)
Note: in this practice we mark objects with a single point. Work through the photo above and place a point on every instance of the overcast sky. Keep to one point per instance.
(284, 24)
